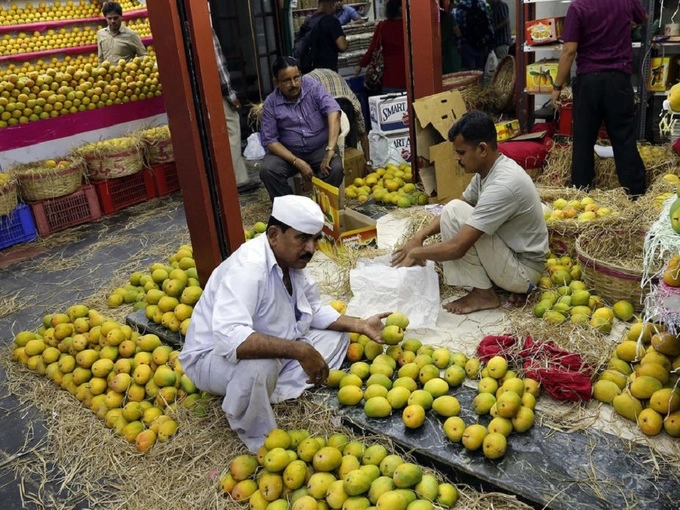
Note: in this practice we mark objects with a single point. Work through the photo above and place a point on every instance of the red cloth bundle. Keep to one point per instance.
(562, 374)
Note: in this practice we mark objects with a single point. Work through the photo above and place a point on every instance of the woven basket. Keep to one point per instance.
(106, 161)
(611, 280)
(38, 182)
(460, 80)
(564, 233)
(159, 152)
(503, 83)
(8, 197)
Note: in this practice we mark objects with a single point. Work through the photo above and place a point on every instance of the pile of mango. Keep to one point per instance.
(412, 378)
(133, 382)
(566, 297)
(390, 185)
(294, 470)
(168, 292)
(641, 379)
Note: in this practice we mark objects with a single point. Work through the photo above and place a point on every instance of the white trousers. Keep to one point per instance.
(489, 261)
(234, 130)
(250, 387)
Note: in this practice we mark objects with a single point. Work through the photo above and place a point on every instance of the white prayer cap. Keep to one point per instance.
(300, 213)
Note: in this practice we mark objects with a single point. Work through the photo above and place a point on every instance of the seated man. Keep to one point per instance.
(495, 235)
(299, 128)
(259, 334)
(349, 103)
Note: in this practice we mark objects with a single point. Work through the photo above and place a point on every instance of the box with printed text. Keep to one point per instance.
(389, 112)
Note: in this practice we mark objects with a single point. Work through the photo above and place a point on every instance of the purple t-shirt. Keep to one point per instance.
(602, 29)
(302, 125)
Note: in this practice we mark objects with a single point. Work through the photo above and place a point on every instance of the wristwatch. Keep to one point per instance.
(557, 87)
(329, 148)
(369, 162)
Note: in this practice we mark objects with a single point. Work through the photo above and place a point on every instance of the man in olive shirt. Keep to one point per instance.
(117, 41)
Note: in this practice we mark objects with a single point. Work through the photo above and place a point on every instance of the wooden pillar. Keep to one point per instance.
(193, 101)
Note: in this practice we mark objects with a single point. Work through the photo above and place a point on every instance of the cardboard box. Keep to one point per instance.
(342, 227)
(401, 141)
(541, 76)
(507, 130)
(389, 112)
(434, 117)
(662, 72)
(543, 31)
(353, 163)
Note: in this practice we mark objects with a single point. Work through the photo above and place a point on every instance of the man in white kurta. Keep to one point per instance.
(259, 334)
(495, 235)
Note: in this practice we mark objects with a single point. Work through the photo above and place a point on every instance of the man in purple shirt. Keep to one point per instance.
(598, 35)
(299, 128)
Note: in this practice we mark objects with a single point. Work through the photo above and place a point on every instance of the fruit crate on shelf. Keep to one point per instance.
(59, 213)
(121, 192)
(166, 178)
(17, 227)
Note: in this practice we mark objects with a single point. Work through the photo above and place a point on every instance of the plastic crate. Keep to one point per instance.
(17, 227)
(121, 192)
(166, 179)
(59, 213)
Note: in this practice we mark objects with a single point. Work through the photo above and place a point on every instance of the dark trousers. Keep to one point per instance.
(473, 58)
(608, 96)
(276, 171)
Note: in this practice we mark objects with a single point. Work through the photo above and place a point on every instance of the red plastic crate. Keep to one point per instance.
(17, 227)
(121, 192)
(565, 125)
(166, 178)
(59, 213)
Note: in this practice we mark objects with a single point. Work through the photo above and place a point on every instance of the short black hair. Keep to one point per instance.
(283, 62)
(112, 7)
(273, 222)
(475, 127)
(392, 8)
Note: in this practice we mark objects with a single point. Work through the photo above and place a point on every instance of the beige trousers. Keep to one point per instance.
(250, 387)
(488, 262)
(234, 130)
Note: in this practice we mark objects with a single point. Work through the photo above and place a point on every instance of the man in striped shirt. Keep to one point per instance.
(232, 106)
(349, 103)
(500, 21)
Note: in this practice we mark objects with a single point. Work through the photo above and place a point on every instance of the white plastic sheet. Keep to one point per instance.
(379, 287)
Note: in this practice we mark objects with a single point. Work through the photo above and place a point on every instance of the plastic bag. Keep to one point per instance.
(383, 150)
(254, 149)
(490, 67)
(379, 287)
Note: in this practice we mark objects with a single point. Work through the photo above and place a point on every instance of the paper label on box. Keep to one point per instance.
(402, 143)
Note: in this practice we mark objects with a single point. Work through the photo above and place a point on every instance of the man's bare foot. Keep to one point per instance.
(516, 300)
(477, 299)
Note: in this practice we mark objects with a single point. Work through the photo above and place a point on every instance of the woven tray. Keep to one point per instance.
(612, 280)
(39, 182)
(8, 197)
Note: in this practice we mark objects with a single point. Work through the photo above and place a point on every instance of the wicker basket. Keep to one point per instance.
(113, 158)
(8, 197)
(612, 280)
(564, 233)
(39, 182)
(158, 146)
